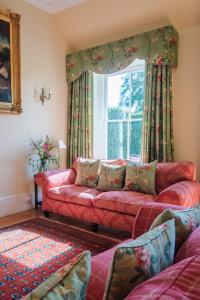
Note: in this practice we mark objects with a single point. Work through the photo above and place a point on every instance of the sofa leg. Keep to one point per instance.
(94, 227)
(46, 214)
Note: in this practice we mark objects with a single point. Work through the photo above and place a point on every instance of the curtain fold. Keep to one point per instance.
(80, 118)
(157, 123)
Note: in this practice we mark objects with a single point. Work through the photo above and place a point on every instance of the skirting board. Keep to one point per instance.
(15, 203)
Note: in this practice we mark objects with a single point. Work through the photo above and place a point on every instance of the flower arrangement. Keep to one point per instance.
(41, 155)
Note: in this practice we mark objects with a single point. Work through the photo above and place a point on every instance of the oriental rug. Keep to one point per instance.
(30, 251)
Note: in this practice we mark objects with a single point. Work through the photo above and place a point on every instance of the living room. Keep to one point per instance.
(50, 31)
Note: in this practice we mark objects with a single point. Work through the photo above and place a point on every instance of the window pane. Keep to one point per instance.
(135, 139)
(117, 139)
(116, 108)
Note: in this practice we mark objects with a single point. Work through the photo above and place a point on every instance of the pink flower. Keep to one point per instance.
(70, 65)
(159, 60)
(143, 257)
(91, 177)
(116, 181)
(98, 57)
(132, 49)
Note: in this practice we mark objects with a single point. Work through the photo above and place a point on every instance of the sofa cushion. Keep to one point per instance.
(172, 172)
(186, 221)
(69, 282)
(117, 162)
(127, 202)
(135, 261)
(87, 173)
(74, 194)
(141, 178)
(180, 281)
(190, 247)
(99, 273)
(111, 177)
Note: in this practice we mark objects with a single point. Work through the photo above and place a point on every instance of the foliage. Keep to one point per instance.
(41, 155)
(130, 106)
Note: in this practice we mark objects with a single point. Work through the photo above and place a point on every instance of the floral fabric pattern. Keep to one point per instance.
(111, 178)
(134, 262)
(141, 178)
(69, 282)
(157, 47)
(87, 173)
(157, 121)
(80, 118)
(186, 221)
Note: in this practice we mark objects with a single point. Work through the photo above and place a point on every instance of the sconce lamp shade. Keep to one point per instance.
(61, 144)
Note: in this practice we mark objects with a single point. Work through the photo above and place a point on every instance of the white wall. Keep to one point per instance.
(187, 97)
(43, 53)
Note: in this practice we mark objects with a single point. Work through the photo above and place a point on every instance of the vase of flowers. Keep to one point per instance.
(42, 155)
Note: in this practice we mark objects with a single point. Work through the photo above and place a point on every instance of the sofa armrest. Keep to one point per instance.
(185, 193)
(55, 178)
(147, 214)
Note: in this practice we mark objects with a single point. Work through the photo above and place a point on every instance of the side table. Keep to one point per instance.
(37, 202)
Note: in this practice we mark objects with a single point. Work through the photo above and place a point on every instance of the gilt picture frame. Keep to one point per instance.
(10, 81)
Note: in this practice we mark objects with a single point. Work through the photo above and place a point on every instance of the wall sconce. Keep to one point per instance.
(44, 96)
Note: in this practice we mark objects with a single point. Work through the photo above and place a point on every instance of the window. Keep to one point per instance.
(118, 112)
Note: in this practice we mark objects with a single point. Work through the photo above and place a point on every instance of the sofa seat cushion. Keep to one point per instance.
(99, 273)
(128, 202)
(74, 194)
(180, 281)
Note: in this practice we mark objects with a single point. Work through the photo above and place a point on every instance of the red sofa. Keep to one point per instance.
(179, 281)
(175, 184)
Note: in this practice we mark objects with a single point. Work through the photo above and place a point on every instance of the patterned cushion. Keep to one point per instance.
(69, 282)
(178, 282)
(186, 221)
(190, 247)
(87, 174)
(141, 178)
(140, 259)
(111, 178)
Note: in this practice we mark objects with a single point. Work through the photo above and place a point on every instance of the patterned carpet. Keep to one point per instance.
(32, 250)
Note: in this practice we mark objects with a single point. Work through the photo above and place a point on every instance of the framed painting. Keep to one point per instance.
(10, 85)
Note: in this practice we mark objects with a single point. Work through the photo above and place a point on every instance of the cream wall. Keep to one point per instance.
(43, 51)
(187, 97)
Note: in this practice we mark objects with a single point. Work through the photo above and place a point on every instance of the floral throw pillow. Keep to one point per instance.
(87, 173)
(134, 262)
(111, 177)
(141, 178)
(186, 221)
(69, 282)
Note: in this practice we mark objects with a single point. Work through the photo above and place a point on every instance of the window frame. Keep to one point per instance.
(104, 84)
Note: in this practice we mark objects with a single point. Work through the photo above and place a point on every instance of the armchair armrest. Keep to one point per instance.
(185, 193)
(55, 178)
(147, 214)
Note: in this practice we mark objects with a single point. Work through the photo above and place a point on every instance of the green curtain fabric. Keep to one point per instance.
(157, 122)
(158, 46)
(80, 118)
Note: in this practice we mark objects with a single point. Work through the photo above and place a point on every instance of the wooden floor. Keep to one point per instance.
(19, 217)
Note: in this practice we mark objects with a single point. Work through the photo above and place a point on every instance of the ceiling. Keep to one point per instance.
(54, 6)
(100, 21)
(87, 23)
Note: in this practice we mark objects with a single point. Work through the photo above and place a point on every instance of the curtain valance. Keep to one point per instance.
(158, 46)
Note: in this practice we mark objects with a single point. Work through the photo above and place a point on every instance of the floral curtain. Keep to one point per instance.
(157, 47)
(157, 124)
(80, 118)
